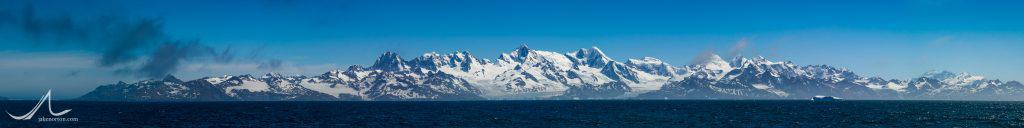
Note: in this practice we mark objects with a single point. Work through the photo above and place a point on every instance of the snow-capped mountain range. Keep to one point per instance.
(528, 74)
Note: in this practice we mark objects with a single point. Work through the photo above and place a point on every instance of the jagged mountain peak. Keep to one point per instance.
(520, 54)
(355, 68)
(592, 57)
(653, 66)
(646, 60)
(760, 59)
(944, 74)
(453, 54)
(522, 50)
(940, 74)
(462, 60)
(617, 71)
(592, 51)
(537, 58)
(171, 78)
(595, 48)
(430, 54)
(390, 61)
(463, 54)
(272, 75)
(741, 61)
(953, 78)
(714, 62)
(246, 76)
(333, 72)
(823, 67)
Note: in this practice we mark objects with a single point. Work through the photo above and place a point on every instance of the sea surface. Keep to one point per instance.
(595, 113)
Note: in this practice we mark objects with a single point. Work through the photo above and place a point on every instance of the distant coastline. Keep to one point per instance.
(585, 74)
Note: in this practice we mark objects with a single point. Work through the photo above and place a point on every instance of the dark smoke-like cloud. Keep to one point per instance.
(136, 46)
(166, 59)
(136, 36)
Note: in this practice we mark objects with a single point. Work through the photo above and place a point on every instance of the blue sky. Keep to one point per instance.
(891, 39)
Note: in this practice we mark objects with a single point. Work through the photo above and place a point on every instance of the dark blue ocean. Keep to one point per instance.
(611, 113)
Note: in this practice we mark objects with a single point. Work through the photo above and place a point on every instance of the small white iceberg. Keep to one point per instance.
(824, 98)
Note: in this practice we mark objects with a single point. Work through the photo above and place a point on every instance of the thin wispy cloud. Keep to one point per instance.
(739, 46)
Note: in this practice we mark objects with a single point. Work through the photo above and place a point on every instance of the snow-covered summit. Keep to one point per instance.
(952, 78)
(654, 66)
(592, 57)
